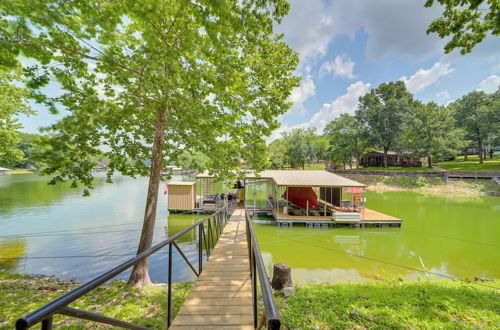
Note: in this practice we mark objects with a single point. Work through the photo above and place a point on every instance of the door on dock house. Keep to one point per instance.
(331, 195)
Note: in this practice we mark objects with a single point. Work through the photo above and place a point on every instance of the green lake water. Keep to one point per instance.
(447, 235)
(53, 230)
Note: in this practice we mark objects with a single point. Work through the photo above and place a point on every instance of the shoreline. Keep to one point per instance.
(426, 185)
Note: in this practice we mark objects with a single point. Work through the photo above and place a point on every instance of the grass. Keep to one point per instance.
(396, 168)
(472, 164)
(315, 166)
(391, 305)
(425, 184)
(21, 294)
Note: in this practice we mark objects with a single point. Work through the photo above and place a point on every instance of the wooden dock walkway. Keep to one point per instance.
(221, 298)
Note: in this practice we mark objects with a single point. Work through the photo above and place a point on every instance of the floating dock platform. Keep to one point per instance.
(367, 217)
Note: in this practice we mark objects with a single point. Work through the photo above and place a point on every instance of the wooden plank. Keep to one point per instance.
(222, 296)
(241, 301)
(214, 320)
(215, 310)
(226, 327)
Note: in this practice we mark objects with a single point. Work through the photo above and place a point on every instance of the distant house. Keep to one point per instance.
(376, 158)
(4, 171)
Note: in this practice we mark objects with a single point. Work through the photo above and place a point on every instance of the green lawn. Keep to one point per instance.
(22, 294)
(317, 166)
(396, 168)
(391, 305)
(472, 164)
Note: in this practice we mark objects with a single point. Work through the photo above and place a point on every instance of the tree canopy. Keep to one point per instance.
(13, 103)
(430, 131)
(348, 138)
(478, 114)
(150, 80)
(383, 111)
(467, 22)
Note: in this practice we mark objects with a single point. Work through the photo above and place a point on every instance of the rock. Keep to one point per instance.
(354, 313)
(288, 291)
(282, 277)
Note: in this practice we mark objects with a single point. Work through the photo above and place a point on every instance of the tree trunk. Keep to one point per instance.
(140, 272)
(357, 161)
(429, 160)
(466, 154)
(282, 276)
(480, 152)
(385, 156)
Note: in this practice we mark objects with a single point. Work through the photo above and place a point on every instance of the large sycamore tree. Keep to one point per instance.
(430, 131)
(383, 112)
(145, 81)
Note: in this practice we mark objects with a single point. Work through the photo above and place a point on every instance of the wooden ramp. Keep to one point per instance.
(222, 296)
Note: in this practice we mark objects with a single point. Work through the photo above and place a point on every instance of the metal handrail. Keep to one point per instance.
(257, 268)
(59, 305)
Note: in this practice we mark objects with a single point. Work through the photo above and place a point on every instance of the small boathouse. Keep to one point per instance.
(314, 198)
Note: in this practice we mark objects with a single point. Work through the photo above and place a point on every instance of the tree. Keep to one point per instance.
(277, 153)
(193, 161)
(430, 132)
(149, 80)
(348, 139)
(467, 22)
(320, 146)
(478, 114)
(299, 147)
(382, 112)
(12, 103)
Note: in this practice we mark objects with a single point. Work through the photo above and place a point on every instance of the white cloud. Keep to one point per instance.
(490, 84)
(308, 28)
(424, 78)
(342, 67)
(396, 26)
(301, 93)
(443, 96)
(392, 26)
(346, 103)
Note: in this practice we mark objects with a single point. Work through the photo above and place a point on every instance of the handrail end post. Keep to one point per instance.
(274, 324)
(21, 324)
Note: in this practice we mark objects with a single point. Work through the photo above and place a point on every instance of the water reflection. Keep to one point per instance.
(11, 252)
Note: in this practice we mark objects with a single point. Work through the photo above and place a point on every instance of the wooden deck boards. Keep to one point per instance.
(222, 296)
(367, 216)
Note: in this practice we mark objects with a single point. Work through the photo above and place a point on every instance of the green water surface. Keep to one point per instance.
(446, 235)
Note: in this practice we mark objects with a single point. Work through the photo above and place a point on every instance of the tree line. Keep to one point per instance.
(390, 118)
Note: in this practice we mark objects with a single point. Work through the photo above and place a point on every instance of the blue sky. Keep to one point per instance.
(347, 47)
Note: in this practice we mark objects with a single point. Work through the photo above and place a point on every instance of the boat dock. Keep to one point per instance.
(222, 296)
(367, 217)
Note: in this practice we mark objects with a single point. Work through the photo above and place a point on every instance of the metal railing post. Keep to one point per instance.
(200, 250)
(44, 314)
(169, 284)
(47, 323)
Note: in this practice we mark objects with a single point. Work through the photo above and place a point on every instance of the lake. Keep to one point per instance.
(53, 230)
